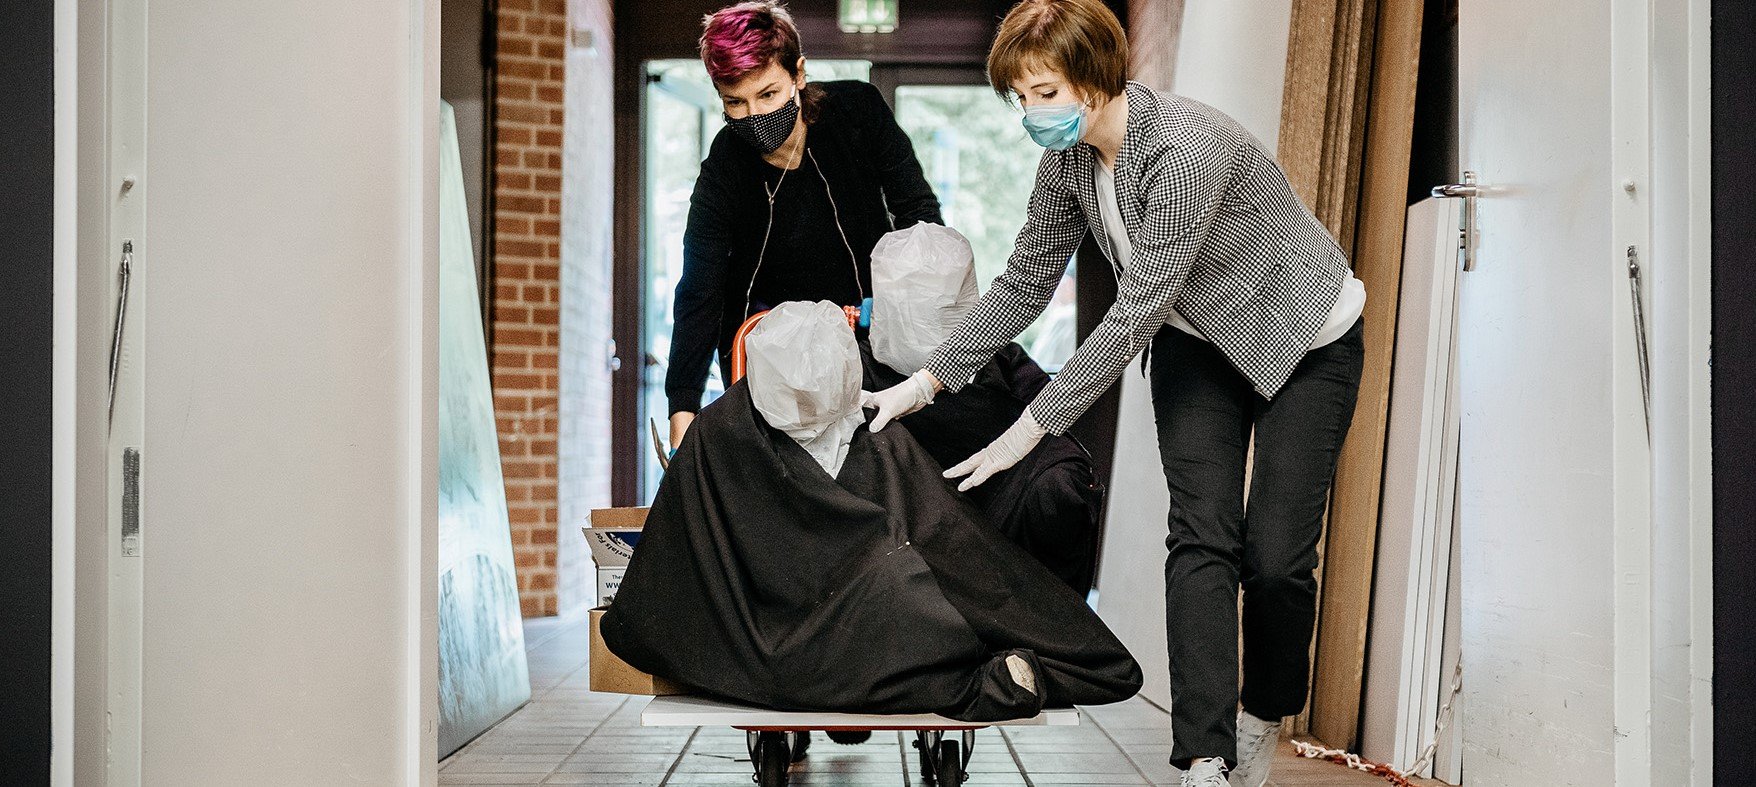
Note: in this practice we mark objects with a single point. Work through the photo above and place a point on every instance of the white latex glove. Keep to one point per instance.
(901, 399)
(1011, 446)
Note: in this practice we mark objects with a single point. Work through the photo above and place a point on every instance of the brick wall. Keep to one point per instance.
(527, 284)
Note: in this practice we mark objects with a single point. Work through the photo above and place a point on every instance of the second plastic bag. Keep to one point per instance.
(923, 282)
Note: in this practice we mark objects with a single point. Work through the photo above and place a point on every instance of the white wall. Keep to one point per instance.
(587, 195)
(288, 278)
(1232, 56)
(92, 313)
(1543, 384)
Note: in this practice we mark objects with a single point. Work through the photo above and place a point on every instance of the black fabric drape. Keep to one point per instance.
(1051, 501)
(760, 578)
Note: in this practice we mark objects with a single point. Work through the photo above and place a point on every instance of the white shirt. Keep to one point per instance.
(1342, 316)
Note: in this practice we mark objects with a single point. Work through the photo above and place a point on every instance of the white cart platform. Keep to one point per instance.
(775, 737)
(691, 711)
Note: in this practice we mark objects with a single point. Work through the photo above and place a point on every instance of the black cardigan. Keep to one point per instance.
(873, 174)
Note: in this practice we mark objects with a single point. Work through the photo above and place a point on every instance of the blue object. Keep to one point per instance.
(866, 313)
(1055, 126)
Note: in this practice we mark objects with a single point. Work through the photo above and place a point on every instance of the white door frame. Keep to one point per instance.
(1631, 226)
(1663, 538)
(1678, 271)
(100, 116)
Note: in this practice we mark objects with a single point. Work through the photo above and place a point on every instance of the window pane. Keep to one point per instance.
(982, 165)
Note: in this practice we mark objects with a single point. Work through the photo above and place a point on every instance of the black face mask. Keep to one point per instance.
(767, 132)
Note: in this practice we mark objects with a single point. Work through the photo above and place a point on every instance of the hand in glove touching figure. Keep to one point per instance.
(1011, 446)
(901, 399)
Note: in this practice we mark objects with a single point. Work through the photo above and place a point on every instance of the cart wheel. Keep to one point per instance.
(950, 764)
(773, 757)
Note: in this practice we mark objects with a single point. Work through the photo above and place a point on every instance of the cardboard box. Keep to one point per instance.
(612, 534)
(618, 517)
(611, 674)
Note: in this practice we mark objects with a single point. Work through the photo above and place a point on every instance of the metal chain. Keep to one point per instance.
(1400, 778)
(1354, 761)
(1439, 724)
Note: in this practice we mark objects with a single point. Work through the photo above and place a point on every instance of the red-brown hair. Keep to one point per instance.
(1081, 39)
(741, 39)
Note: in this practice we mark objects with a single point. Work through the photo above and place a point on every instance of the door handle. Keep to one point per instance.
(1467, 191)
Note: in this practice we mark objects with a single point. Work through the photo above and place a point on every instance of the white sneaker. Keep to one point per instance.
(1021, 672)
(1257, 740)
(1210, 772)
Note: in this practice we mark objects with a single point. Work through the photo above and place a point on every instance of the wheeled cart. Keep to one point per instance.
(943, 745)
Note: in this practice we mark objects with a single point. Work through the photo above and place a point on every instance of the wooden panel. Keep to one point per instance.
(1323, 107)
(1357, 179)
(1326, 55)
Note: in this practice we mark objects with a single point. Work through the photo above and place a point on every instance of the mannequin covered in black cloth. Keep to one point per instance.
(923, 285)
(1050, 502)
(762, 578)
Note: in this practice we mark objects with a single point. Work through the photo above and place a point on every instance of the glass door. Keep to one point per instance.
(681, 116)
(982, 165)
(975, 155)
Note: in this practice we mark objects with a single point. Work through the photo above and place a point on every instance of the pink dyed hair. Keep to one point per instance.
(739, 39)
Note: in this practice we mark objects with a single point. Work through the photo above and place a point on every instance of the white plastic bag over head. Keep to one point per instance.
(804, 374)
(923, 282)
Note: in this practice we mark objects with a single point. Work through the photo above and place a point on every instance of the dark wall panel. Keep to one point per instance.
(27, 162)
(466, 81)
(1734, 381)
(944, 32)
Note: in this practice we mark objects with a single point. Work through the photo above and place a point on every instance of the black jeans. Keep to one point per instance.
(1206, 411)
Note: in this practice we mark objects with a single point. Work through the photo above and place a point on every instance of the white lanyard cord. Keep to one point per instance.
(760, 253)
(834, 211)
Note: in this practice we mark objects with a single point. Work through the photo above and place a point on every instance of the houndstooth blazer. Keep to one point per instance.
(1217, 234)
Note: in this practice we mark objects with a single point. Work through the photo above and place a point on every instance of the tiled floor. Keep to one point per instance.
(569, 735)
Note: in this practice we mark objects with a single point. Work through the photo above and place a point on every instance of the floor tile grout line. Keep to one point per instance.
(594, 730)
(1119, 747)
(535, 698)
(556, 629)
(680, 755)
(1015, 759)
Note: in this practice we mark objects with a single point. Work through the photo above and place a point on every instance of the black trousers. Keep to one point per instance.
(1206, 412)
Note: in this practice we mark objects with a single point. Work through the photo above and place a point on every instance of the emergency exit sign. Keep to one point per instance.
(868, 16)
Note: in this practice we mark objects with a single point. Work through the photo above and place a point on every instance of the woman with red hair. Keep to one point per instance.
(794, 193)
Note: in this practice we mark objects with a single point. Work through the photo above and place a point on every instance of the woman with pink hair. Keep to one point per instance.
(794, 193)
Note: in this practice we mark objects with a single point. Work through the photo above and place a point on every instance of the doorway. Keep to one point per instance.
(973, 151)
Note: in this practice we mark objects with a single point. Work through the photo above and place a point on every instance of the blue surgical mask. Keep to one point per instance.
(1055, 126)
